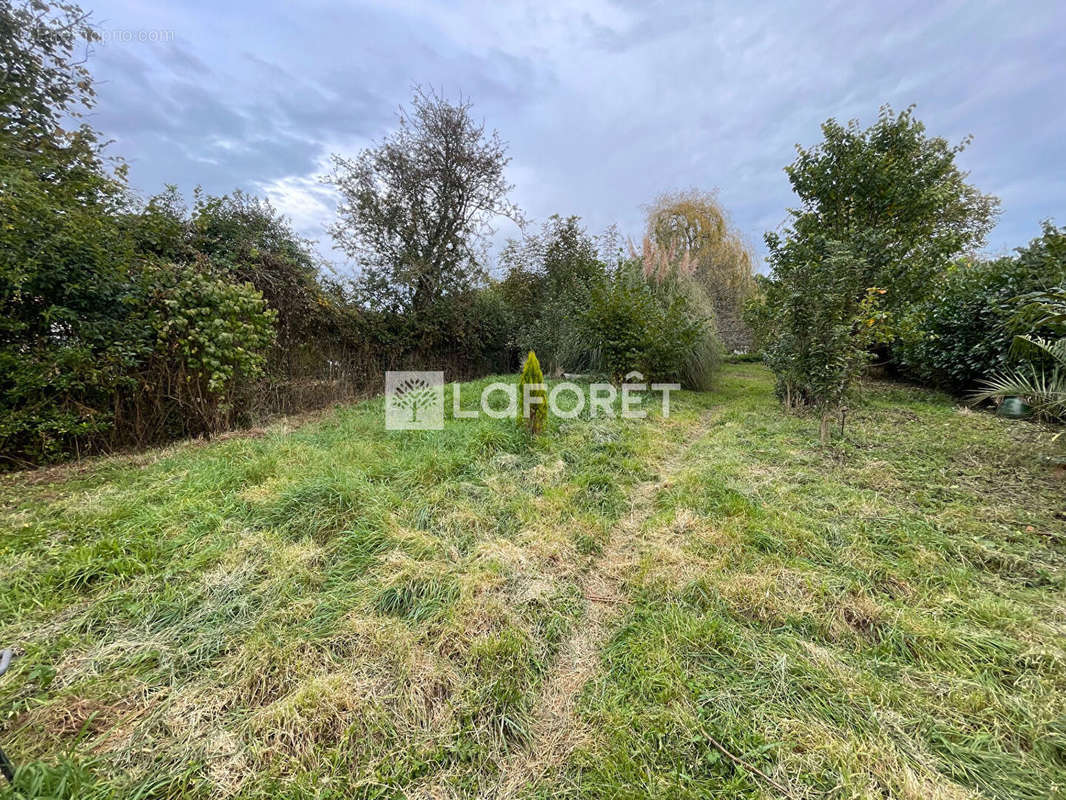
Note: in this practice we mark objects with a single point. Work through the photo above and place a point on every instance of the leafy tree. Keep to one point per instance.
(816, 322)
(64, 342)
(532, 396)
(549, 277)
(45, 81)
(416, 210)
(894, 197)
(883, 207)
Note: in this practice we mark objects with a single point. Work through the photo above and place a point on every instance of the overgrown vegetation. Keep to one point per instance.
(700, 604)
(816, 324)
(1041, 378)
(960, 333)
(127, 323)
(344, 610)
(549, 277)
(653, 325)
(688, 234)
(878, 262)
(588, 307)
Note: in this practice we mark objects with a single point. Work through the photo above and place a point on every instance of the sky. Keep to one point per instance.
(603, 105)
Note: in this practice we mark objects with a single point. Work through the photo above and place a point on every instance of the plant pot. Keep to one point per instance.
(1013, 408)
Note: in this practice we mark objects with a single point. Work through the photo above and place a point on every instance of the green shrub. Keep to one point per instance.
(549, 277)
(961, 332)
(532, 413)
(126, 323)
(211, 336)
(65, 341)
(1040, 379)
(816, 322)
(580, 314)
(633, 324)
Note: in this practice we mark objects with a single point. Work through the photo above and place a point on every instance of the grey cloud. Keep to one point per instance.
(603, 104)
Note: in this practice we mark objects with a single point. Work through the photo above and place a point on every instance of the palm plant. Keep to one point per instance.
(1041, 380)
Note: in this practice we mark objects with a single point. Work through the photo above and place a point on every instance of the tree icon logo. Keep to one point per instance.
(414, 401)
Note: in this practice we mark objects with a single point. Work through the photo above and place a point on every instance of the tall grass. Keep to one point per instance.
(334, 610)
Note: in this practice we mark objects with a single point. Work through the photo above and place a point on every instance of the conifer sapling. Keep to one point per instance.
(532, 396)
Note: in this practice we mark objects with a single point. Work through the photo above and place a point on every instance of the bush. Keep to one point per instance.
(1040, 379)
(550, 275)
(816, 323)
(636, 324)
(127, 324)
(961, 332)
(211, 338)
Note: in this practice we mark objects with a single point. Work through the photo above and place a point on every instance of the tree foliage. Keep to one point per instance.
(62, 256)
(962, 330)
(883, 213)
(42, 56)
(892, 195)
(633, 323)
(816, 322)
(548, 281)
(416, 209)
(245, 239)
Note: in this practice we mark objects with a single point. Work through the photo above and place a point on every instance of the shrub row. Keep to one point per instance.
(961, 332)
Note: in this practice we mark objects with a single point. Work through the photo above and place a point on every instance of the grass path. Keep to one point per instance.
(332, 606)
(335, 611)
(556, 731)
(883, 617)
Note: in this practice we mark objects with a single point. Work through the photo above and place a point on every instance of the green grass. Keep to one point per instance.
(340, 611)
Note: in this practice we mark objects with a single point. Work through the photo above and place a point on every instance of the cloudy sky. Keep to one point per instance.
(603, 104)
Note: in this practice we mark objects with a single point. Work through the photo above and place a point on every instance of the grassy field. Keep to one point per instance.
(710, 605)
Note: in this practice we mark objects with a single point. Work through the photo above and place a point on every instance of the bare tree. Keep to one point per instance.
(417, 209)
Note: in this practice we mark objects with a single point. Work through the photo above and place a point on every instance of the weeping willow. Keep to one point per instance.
(688, 234)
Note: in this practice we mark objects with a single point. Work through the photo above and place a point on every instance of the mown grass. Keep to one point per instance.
(340, 611)
(880, 618)
(331, 611)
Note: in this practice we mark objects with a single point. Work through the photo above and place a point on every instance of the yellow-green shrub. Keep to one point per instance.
(531, 413)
